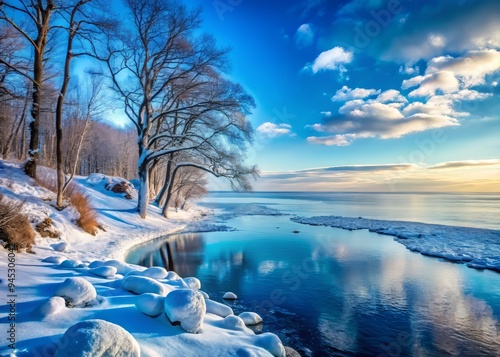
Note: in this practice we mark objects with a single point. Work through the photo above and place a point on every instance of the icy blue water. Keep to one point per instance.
(331, 292)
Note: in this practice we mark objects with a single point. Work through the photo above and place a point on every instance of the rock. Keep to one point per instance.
(150, 304)
(187, 307)
(250, 318)
(290, 352)
(155, 273)
(97, 338)
(77, 292)
(230, 296)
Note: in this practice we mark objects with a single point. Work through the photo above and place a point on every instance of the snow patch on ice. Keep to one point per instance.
(476, 247)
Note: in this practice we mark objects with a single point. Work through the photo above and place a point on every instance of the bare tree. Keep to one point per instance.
(171, 86)
(32, 21)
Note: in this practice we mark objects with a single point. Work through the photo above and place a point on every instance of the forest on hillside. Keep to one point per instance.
(68, 69)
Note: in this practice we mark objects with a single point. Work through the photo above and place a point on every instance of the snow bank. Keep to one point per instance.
(142, 285)
(476, 247)
(71, 264)
(250, 318)
(97, 338)
(218, 309)
(77, 292)
(187, 307)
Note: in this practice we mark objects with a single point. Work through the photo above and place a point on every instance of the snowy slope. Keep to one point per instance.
(478, 248)
(41, 318)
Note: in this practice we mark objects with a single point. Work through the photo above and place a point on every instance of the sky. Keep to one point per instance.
(368, 95)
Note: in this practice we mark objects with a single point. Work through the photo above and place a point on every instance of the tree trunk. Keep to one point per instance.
(143, 201)
(169, 193)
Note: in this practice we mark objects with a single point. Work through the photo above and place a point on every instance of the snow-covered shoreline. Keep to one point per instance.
(476, 247)
(41, 318)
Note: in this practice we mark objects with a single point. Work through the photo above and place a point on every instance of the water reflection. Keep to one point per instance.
(334, 292)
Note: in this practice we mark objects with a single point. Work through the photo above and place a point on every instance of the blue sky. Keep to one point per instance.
(359, 95)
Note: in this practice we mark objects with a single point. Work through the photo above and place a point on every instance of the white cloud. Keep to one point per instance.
(332, 140)
(304, 36)
(436, 40)
(391, 95)
(327, 114)
(333, 59)
(346, 93)
(466, 163)
(272, 130)
(409, 69)
(471, 68)
(443, 81)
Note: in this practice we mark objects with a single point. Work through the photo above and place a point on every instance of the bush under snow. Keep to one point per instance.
(97, 338)
(77, 292)
(187, 307)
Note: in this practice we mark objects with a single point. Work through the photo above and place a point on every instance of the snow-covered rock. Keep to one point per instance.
(193, 283)
(230, 296)
(250, 318)
(95, 338)
(54, 259)
(50, 306)
(187, 307)
(104, 271)
(71, 263)
(60, 247)
(150, 304)
(218, 309)
(77, 291)
(96, 264)
(142, 285)
(205, 295)
(271, 343)
(155, 273)
(172, 275)
(232, 322)
(121, 267)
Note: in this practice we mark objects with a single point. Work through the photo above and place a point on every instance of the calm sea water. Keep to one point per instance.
(331, 292)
